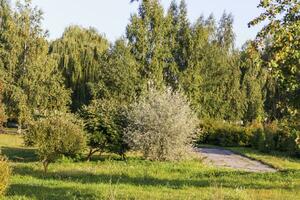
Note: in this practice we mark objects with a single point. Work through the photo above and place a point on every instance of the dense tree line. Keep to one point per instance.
(83, 73)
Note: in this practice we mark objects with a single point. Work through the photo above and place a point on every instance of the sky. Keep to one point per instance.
(110, 17)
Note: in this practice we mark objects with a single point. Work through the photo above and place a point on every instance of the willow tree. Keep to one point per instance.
(33, 85)
(79, 54)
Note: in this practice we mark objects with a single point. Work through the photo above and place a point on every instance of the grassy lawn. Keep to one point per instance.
(111, 178)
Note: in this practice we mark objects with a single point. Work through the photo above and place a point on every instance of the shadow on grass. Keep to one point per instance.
(19, 154)
(43, 192)
(228, 179)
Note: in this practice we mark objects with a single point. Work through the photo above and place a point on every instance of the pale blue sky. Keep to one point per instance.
(110, 17)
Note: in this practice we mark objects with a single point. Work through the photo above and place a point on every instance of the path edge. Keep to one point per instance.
(241, 154)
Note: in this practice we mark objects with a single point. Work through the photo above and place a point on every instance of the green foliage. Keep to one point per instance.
(255, 84)
(2, 110)
(254, 78)
(33, 85)
(147, 36)
(55, 136)
(120, 78)
(161, 125)
(80, 54)
(258, 137)
(5, 173)
(212, 78)
(279, 137)
(270, 137)
(118, 86)
(223, 134)
(104, 127)
(283, 29)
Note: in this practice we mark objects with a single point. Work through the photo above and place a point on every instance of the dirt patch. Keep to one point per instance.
(225, 158)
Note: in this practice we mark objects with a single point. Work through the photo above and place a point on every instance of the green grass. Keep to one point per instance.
(112, 178)
(277, 160)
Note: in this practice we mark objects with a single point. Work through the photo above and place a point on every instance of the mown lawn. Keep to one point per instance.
(109, 177)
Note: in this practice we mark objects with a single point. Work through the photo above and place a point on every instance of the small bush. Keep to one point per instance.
(274, 136)
(55, 136)
(104, 126)
(280, 137)
(4, 175)
(223, 134)
(161, 125)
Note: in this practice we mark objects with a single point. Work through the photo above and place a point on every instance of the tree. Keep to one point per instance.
(171, 73)
(56, 135)
(33, 84)
(119, 78)
(212, 77)
(146, 34)
(80, 56)
(118, 86)
(103, 124)
(191, 78)
(225, 34)
(283, 27)
(179, 39)
(161, 125)
(254, 80)
(183, 37)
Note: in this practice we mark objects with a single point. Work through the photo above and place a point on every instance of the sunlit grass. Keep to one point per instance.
(11, 140)
(113, 178)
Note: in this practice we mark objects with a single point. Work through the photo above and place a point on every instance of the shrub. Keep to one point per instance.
(276, 136)
(285, 138)
(258, 138)
(55, 136)
(161, 125)
(4, 175)
(103, 124)
(223, 133)
(255, 131)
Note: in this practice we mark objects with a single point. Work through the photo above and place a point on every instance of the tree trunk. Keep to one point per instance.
(91, 153)
(19, 131)
(45, 164)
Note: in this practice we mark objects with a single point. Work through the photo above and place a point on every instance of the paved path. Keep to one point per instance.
(226, 158)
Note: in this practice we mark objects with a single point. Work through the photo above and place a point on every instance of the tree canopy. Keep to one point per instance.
(283, 30)
(80, 54)
(33, 84)
(83, 70)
